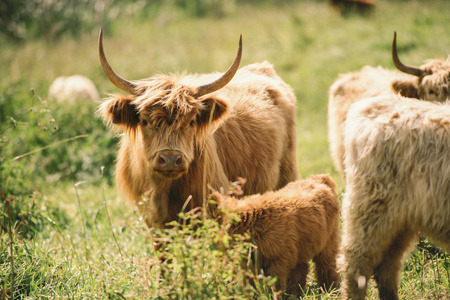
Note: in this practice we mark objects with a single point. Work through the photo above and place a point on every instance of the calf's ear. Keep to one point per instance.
(214, 202)
(119, 110)
(406, 88)
(213, 110)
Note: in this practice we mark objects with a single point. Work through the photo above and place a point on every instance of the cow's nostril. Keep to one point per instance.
(169, 160)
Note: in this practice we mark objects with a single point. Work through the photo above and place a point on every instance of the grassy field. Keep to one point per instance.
(65, 233)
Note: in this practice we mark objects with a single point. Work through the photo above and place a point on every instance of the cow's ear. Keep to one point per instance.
(213, 110)
(406, 88)
(119, 110)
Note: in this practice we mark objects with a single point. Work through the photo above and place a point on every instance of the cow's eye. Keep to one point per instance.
(192, 123)
(144, 122)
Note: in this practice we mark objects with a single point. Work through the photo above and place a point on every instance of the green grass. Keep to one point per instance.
(67, 247)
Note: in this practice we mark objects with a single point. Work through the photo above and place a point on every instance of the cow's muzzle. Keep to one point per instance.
(170, 163)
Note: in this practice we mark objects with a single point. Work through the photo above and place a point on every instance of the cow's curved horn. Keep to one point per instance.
(399, 65)
(225, 78)
(115, 78)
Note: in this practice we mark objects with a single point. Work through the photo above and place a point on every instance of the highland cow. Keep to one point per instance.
(430, 82)
(290, 226)
(397, 168)
(73, 88)
(182, 132)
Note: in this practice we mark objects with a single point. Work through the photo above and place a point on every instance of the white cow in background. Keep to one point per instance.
(73, 89)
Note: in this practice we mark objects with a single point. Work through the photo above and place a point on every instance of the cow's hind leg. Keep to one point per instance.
(297, 279)
(278, 268)
(357, 273)
(361, 254)
(387, 273)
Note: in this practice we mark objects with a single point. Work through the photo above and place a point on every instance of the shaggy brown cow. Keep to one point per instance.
(290, 226)
(430, 82)
(181, 132)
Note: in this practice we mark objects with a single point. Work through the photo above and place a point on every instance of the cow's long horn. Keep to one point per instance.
(115, 78)
(225, 78)
(399, 65)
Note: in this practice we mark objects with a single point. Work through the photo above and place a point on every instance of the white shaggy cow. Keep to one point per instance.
(397, 168)
(430, 82)
(73, 88)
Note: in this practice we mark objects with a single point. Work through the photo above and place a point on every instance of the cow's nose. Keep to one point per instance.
(170, 160)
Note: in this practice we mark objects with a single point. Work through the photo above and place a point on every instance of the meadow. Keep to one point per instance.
(66, 233)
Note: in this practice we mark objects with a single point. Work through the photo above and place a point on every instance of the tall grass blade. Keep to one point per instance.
(107, 214)
(51, 145)
(11, 241)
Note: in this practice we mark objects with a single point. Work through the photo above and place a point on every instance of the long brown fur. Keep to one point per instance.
(246, 129)
(290, 226)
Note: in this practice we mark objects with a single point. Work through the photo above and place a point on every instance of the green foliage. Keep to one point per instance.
(49, 141)
(36, 149)
(59, 265)
(201, 8)
(51, 19)
(48, 19)
(220, 269)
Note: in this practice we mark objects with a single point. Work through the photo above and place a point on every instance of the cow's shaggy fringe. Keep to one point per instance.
(290, 226)
(398, 184)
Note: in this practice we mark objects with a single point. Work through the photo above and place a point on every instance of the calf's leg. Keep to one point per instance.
(325, 261)
(297, 279)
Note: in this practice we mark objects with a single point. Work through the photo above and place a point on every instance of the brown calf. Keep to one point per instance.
(290, 226)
